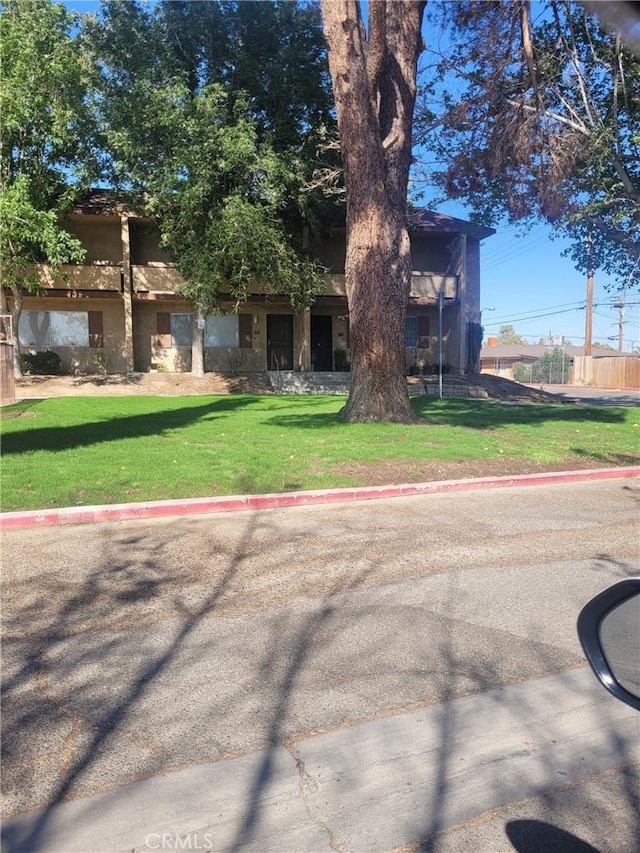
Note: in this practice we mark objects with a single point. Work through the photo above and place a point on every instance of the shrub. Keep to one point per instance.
(522, 372)
(340, 359)
(100, 363)
(553, 368)
(45, 363)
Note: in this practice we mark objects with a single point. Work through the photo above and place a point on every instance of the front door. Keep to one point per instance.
(279, 342)
(321, 343)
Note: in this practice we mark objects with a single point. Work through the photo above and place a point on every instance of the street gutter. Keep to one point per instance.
(240, 503)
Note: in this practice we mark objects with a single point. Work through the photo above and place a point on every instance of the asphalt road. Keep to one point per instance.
(596, 396)
(392, 674)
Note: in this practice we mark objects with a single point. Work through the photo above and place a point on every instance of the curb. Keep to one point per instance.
(240, 503)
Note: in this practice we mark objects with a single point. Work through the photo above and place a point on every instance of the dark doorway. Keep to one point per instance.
(321, 343)
(279, 342)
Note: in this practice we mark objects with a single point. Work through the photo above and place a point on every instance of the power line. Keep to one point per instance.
(513, 253)
(526, 317)
(563, 308)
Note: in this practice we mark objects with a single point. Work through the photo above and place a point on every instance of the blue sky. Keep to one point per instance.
(530, 285)
(533, 288)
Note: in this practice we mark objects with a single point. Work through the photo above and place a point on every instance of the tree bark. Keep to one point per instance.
(374, 84)
(197, 344)
(15, 311)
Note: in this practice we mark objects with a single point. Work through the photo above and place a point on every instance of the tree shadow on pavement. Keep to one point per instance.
(81, 665)
(528, 835)
(103, 600)
(87, 665)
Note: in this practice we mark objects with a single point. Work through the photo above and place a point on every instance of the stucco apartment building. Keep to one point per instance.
(124, 305)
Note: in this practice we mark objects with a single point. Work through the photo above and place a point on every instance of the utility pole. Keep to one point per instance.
(620, 307)
(588, 327)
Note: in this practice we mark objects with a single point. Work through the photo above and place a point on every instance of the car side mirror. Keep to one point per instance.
(609, 631)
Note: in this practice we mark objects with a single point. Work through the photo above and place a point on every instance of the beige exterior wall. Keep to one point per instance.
(124, 252)
(156, 278)
(425, 359)
(423, 285)
(149, 355)
(80, 359)
(81, 277)
(145, 244)
(100, 235)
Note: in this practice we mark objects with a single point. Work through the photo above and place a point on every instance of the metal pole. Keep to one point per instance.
(440, 307)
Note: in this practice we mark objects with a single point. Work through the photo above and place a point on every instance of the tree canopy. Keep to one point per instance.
(543, 123)
(508, 335)
(213, 113)
(45, 152)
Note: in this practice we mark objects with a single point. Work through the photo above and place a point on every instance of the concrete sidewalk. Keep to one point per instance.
(374, 786)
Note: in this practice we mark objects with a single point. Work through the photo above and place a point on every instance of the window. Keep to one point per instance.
(56, 328)
(222, 331)
(228, 330)
(96, 330)
(173, 330)
(416, 332)
(411, 332)
(181, 330)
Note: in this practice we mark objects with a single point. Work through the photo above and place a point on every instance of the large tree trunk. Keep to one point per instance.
(15, 311)
(197, 343)
(374, 82)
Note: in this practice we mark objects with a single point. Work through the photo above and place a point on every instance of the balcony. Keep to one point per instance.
(424, 286)
(427, 286)
(81, 277)
(156, 279)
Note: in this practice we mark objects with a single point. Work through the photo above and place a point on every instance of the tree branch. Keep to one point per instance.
(376, 49)
(627, 241)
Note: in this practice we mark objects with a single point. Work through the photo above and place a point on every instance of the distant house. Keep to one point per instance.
(124, 303)
(499, 359)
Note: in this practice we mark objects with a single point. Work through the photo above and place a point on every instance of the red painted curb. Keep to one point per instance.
(236, 503)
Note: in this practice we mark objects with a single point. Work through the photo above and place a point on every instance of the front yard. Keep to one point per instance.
(94, 450)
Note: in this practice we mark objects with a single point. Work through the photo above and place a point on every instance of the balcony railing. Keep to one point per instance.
(156, 279)
(424, 285)
(81, 277)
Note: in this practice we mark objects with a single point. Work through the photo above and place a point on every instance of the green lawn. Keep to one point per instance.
(74, 451)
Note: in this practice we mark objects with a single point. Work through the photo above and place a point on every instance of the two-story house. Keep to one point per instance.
(124, 304)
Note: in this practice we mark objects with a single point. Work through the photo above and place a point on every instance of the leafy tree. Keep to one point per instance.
(44, 156)
(373, 72)
(544, 123)
(222, 170)
(552, 368)
(508, 335)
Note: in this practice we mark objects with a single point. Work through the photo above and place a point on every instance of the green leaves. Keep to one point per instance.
(543, 123)
(220, 168)
(28, 236)
(44, 146)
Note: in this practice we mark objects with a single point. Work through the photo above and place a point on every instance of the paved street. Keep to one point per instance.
(592, 396)
(391, 674)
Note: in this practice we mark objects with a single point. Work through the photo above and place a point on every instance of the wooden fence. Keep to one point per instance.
(607, 372)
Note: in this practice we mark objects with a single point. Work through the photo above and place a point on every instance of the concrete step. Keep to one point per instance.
(309, 382)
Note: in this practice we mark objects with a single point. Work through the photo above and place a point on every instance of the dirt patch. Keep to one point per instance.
(399, 471)
(184, 384)
(137, 384)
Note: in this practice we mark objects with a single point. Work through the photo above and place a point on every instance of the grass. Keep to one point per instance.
(81, 451)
